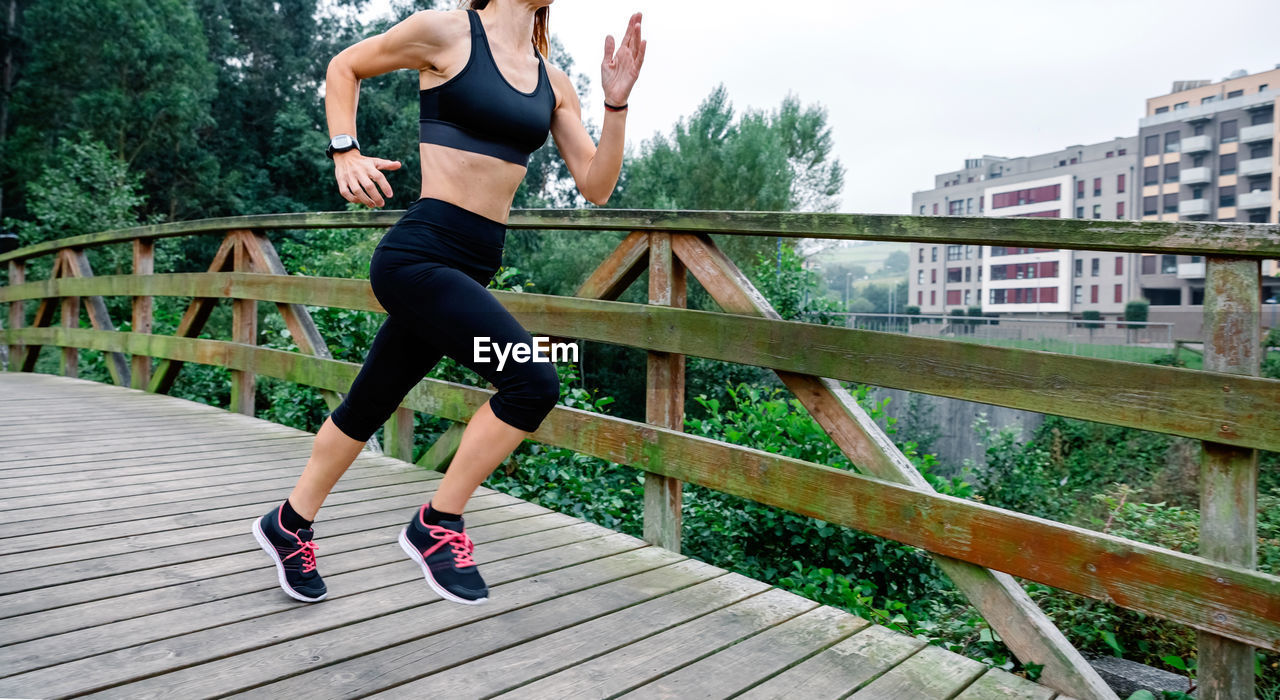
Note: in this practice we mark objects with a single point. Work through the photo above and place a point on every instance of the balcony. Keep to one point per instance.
(1197, 144)
(1191, 271)
(1193, 207)
(1257, 132)
(1194, 176)
(1254, 200)
(1254, 166)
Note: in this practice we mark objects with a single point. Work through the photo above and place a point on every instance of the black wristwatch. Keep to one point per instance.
(341, 144)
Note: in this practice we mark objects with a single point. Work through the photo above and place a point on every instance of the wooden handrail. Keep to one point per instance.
(1180, 237)
(1229, 408)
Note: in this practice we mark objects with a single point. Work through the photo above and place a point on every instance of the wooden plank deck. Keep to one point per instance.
(127, 569)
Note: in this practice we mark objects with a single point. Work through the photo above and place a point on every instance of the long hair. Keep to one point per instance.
(541, 21)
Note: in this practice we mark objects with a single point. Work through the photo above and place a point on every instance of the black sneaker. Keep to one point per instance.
(444, 553)
(294, 554)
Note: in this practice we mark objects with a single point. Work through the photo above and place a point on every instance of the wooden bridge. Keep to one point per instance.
(128, 570)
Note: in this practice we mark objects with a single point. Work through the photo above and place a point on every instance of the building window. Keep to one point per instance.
(968, 297)
(968, 274)
(1095, 267)
(1078, 295)
(1234, 93)
(968, 205)
(935, 208)
(1198, 129)
(1227, 196)
(1197, 193)
(1260, 150)
(1111, 154)
(1097, 187)
(953, 297)
(1162, 110)
(1227, 164)
(1093, 293)
(922, 210)
(1197, 161)
(968, 252)
(1119, 183)
(1119, 264)
(919, 298)
(1171, 172)
(920, 257)
(1079, 212)
(1172, 140)
(1180, 105)
(1262, 116)
(1079, 267)
(933, 276)
(1034, 195)
(1168, 264)
(1149, 205)
(1148, 264)
(1171, 203)
(933, 298)
(1097, 211)
(1151, 175)
(1119, 293)
(1079, 189)
(955, 206)
(1120, 209)
(954, 252)
(1228, 132)
(1122, 151)
(1152, 144)
(1073, 161)
(933, 255)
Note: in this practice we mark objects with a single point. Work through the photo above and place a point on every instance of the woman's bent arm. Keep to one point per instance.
(413, 43)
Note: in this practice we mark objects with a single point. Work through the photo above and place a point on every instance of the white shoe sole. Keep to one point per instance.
(284, 583)
(415, 555)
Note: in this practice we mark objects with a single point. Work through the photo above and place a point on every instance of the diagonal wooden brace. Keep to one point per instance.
(193, 320)
(26, 362)
(1025, 629)
(76, 264)
(296, 317)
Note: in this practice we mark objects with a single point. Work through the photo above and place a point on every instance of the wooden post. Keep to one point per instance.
(17, 312)
(1228, 474)
(144, 263)
(70, 319)
(664, 396)
(397, 436)
(244, 329)
(194, 318)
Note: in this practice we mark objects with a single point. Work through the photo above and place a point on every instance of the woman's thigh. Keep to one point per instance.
(449, 310)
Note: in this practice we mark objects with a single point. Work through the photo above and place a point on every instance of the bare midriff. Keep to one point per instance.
(476, 182)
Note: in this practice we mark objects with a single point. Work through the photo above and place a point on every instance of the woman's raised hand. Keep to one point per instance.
(356, 174)
(619, 71)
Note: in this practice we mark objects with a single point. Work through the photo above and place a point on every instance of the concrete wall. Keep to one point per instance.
(951, 420)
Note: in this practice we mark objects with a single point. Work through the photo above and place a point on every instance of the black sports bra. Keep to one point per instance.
(477, 110)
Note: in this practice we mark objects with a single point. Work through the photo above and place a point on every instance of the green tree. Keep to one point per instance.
(897, 261)
(133, 74)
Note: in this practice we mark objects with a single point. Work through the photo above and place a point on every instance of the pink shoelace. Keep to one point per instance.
(308, 552)
(461, 544)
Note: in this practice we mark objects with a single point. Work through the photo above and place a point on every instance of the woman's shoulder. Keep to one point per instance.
(440, 27)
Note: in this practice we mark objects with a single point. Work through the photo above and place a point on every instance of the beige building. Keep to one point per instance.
(1208, 153)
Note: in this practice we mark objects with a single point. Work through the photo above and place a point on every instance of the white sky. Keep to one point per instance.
(913, 87)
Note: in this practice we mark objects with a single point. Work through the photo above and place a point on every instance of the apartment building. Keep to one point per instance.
(1205, 151)
(1208, 154)
(1084, 181)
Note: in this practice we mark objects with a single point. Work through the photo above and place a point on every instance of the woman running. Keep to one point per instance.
(488, 101)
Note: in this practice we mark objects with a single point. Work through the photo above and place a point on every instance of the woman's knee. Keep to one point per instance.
(525, 398)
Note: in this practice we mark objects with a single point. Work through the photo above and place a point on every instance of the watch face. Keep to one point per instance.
(341, 141)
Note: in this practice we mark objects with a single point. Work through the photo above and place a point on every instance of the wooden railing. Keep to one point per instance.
(1226, 406)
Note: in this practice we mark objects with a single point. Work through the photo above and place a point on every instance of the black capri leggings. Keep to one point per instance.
(429, 272)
